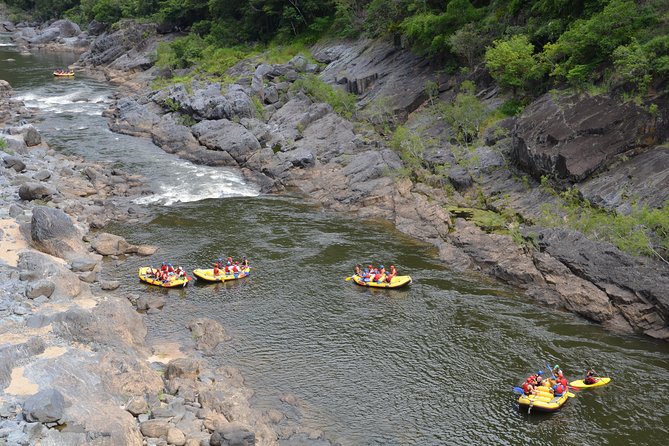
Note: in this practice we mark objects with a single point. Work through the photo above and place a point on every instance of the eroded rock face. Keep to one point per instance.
(377, 69)
(635, 288)
(572, 137)
(644, 178)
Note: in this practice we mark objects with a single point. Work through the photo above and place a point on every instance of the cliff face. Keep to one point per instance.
(604, 147)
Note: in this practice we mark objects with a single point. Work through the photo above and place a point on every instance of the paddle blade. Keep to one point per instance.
(571, 395)
(348, 278)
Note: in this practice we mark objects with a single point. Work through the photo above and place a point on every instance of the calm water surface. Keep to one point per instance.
(432, 364)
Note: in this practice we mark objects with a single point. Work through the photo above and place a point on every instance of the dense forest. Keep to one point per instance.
(527, 46)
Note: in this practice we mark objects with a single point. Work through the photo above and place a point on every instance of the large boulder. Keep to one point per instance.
(58, 29)
(207, 333)
(53, 232)
(37, 266)
(110, 245)
(572, 137)
(35, 191)
(227, 136)
(45, 406)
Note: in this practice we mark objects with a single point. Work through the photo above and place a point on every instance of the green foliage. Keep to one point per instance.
(643, 231)
(259, 109)
(342, 102)
(432, 91)
(409, 145)
(512, 62)
(468, 43)
(590, 42)
(3, 144)
(512, 107)
(633, 65)
(465, 114)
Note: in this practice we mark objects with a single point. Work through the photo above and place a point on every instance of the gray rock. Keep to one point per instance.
(14, 162)
(53, 232)
(154, 428)
(29, 133)
(227, 136)
(82, 264)
(45, 406)
(109, 285)
(460, 178)
(96, 28)
(42, 175)
(183, 368)
(150, 302)
(644, 177)
(88, 276)
(109, 244)
(233, 435)
(176, 437)
(572, 137)
(35, 191)
(207, 333)
(271, 95)
(42, 287)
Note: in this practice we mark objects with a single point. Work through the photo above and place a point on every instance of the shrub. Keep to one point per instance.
(512, 63)
(342, 102)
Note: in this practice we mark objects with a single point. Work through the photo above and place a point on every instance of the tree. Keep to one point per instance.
(633, 65)
(468, 44)
(466, 113)
(512, 62)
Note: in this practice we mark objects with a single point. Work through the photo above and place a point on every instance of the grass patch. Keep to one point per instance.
(642, 232)
(342, 102)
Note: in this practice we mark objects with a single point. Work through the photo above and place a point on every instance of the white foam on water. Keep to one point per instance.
(7, 44)
(184, 182)
(75, 102)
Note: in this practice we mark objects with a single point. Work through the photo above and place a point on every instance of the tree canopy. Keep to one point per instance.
(524, 41)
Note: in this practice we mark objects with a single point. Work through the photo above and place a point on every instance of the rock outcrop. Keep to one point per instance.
(572, 137)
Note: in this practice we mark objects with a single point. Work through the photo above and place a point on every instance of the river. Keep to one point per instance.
(431, 364)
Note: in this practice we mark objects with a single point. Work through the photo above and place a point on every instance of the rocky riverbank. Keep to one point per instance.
(76, 368)
(280, 138)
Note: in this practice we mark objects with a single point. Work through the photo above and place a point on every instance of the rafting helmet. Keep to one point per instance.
(540, 373)
(556, 367)
(381, 266)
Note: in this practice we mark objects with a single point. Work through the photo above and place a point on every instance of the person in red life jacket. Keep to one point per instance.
(236, 268)
(216, 270)
(170, 268)
(377, 276)
(539, 378)
(559, 389)
(391, 274)
(590, 377)
(382, 269)
(528, 386)
(163, 267)
(180, 272)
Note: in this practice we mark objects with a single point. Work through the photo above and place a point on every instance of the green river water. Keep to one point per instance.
(431, 364)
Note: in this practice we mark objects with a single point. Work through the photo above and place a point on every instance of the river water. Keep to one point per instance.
(432, 364)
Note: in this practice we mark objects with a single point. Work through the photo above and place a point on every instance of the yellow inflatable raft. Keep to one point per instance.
(208, 275)
(543, 401)
(580, 384)
(173, 282)
(396, 282)
(63, 73)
